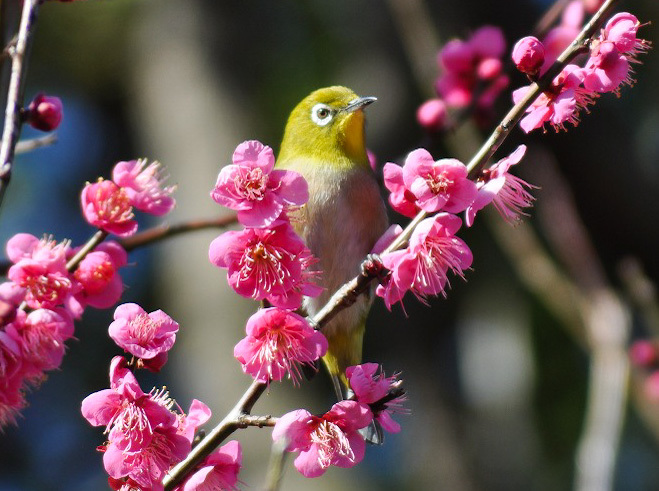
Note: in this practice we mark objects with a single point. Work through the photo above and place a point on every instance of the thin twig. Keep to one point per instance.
(15, 93)
(25, 146)
(89, 246)
(163, 232)
(228, 425)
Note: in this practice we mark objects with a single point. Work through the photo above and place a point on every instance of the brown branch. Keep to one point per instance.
(163, 232)
(15, 93)
(237, 416)
(25, 146)
(89, 246)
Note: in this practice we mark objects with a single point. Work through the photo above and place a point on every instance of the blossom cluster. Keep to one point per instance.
(147, 434)
(606, 69)
(334, 438)
(471, 74)
(443, 187)
(267, 261)
(45, 291)
(108, 204)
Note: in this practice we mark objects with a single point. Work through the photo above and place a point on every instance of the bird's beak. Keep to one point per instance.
(358, 104)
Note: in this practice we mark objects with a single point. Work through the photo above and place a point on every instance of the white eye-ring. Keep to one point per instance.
(321, 114)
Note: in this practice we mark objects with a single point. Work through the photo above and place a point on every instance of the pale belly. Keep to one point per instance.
(344, 218)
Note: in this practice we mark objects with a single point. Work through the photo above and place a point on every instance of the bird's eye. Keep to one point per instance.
(321, 114)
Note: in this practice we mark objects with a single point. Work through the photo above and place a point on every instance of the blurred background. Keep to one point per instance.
(497, 374)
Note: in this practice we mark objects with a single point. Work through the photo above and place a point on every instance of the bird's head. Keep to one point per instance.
(327, 126)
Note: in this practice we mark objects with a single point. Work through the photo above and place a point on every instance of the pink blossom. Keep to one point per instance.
(643, 353)
(559, 104)
(108, 207)
(431, 115)
(198, 414)
(467, 64)
(611, 54)
(143, 183)
(12, 398)
(128, 414)
(277, 343)
(271, 264)
(621, 30)
(440, 185)
(401, 199)
(218, 471)
(606, 69)
(40, 268)
(330, 439)
(560, 37)
(142, 334)
(44, 112)
(98, 276)
(509, 193)
(40, 336)
(257, 192)
(529, 55)
(148, 466)
(422, 267)
(370, 387)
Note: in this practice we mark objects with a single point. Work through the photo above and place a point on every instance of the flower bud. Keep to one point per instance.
(529, 55)
(431, 115)
(44, 112)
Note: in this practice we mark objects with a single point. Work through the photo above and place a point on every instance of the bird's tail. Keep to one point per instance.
(345, 349)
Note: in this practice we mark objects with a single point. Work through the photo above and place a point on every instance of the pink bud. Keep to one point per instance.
(44, 112)
(643, 353)
(431, 115)
(529, 55)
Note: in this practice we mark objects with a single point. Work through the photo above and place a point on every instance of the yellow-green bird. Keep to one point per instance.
(345, 215)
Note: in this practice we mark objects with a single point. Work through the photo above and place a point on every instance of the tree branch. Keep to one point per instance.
(15, 93)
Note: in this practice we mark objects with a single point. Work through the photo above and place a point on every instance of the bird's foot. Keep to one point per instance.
(373, 267)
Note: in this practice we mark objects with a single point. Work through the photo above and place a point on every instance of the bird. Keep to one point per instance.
(345, 215)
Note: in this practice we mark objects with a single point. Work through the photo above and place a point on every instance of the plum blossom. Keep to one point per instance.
(40, 336)
(145, 438)
(143, 183)
(560, 37)
(218, 471)
(469, 64)
(438, 185)
(98, 276)
(611, 54)
(44, 112)
(144, 335)
(401, 199)
(40, 268)
(277, 343)
(271, 264)
(422, 267)
(257, 191)
(370, 387)
(330, 439)
(509, 193)
(108, 207)
(559, 104)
